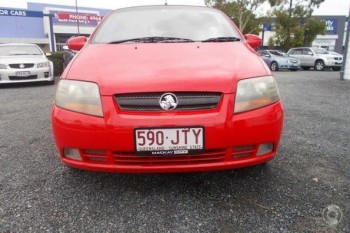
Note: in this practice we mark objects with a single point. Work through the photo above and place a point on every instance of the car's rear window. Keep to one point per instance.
(14, 50)
(277, 53)
(192, 23)
(320, 51)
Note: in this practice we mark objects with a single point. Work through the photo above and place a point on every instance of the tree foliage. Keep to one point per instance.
(294, 27)
(242, 12)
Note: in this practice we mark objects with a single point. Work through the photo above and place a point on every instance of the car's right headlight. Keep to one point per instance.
(79, 96)
(255, 93)
(2, 66)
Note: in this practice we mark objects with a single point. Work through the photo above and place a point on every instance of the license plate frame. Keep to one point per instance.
(23, 74)
(169, 135)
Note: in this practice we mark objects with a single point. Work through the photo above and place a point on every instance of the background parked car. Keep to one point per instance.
(279, 60)
(318, 58)
(68, 55)
(20, 63)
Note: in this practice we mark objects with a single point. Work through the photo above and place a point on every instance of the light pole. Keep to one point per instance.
(76, 11)
(262, 35)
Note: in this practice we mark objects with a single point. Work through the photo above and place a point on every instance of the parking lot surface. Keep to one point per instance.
(292, 193)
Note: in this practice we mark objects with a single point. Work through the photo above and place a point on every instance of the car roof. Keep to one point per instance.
(165, 7)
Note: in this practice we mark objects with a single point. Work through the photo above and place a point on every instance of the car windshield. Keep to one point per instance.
(14, 50)
(279, 53)
(320, 51)
(166, 24)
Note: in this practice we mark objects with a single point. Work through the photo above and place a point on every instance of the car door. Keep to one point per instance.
(309, 57)
(298, 53)
(265, 56)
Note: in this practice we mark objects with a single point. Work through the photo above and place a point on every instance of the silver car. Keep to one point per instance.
(318, 58)
(21, 63)
(277, 60)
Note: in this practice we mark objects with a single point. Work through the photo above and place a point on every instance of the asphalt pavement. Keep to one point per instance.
(306, 188)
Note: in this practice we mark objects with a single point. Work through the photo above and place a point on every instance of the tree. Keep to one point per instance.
(242, 12)
(294, 27)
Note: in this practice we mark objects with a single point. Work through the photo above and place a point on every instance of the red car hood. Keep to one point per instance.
(163, 67)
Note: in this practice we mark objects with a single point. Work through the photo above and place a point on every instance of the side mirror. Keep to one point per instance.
(310, 53)
(267, 55)
(253, 40)
(77, 43)
(48, 54)
(65, 47)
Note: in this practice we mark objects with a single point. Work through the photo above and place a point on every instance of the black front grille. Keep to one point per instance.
(15, 78)
(338, 58)
(187, 101)
(21, 65)
(207, 157)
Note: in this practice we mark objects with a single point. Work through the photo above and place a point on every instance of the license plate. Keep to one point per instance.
(22, 73)
(169, 141)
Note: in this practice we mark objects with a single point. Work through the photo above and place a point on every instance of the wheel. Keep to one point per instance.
(305, 67)
(336, 68)
(274, 66)
(319, 65)
(293, 69)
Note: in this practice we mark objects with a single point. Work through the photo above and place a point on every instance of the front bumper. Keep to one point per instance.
(333, 63)
(289, 65)
(231, 141)
(36, 75)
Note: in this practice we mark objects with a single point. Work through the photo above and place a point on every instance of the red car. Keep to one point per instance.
(166, 89)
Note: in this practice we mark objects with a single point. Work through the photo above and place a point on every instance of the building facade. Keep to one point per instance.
(32, 25)
(333, 40)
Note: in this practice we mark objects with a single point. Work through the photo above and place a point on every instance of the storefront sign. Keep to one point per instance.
(20, 13)
(331, 25)
(71, 18)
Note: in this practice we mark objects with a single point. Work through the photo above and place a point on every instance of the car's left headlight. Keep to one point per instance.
(79, 96)
(2, 66)
(255, 93)
(43, 64)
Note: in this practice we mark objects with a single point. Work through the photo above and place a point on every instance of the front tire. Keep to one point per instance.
(274, 66)
(293, 69)
(319, 65)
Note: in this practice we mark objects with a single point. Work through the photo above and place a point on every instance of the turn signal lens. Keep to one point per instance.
(265, 149)
(255, 93)
(79, 96)
(72, 153)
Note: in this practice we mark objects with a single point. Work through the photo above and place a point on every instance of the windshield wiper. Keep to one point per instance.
(222, 39)
(153, 39)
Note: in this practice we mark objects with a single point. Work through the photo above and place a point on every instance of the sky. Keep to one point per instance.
(329, 7)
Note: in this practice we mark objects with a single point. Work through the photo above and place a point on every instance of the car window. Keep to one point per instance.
(191, 23)
(297, 52)
(307, 51)
(321, 51)
(13, 50)
(277, 53)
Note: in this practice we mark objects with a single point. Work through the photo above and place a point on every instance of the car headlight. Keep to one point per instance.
(2, 66)
(79, 96)
(255, 93)
(43, 64)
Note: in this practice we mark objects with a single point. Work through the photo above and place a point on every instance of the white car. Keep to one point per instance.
(318, 58)
(20, 63)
